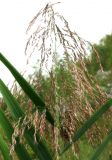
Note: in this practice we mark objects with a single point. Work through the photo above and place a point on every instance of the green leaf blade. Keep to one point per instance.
(88, 124)
(11, 102)
(39, 148)
(4, 149)
(27, 89)
(8, 131)
(102, 147)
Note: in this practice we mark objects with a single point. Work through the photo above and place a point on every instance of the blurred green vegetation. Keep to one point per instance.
(104, 49)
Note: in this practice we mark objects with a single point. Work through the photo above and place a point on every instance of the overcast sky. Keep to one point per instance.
(91, 19)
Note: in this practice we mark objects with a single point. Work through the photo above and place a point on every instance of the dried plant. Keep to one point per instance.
(72, 101)
(62, 78)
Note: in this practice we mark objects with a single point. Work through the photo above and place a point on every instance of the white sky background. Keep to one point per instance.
(91, 19)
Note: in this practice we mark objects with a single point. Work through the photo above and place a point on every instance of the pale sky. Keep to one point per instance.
(91, 19)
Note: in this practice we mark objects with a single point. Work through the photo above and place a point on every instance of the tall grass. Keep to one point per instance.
(70, 103)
